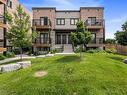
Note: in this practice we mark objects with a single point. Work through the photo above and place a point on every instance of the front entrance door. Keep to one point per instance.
(64, 39)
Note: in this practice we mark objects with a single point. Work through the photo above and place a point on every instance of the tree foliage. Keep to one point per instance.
(110, 41)
(121, 36)
(19, 34)
(81, 36)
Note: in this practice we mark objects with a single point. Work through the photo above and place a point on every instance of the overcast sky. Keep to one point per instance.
(115, 10)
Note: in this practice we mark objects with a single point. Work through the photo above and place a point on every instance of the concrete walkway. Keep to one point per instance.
(14, 59)
(31, 57)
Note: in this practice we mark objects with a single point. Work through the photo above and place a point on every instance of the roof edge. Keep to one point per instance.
(34, 8)
(91, 8)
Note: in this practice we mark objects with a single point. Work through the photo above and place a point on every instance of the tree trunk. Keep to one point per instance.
(85, 46)
(21, 54)
(81, 47)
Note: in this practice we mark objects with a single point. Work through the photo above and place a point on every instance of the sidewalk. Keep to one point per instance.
(14, 59)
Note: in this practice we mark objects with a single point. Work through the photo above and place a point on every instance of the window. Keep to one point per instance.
(73, 21)
(9, 3)
(44, 21)
(92, 20)
(60, 21)
(58, 39)
(44, 38)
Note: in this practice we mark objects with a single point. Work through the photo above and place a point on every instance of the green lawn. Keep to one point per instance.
(96, 74)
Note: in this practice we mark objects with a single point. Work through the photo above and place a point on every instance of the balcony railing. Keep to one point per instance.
(98, 22)
(40, 40)
(41, 24)
(97, 41)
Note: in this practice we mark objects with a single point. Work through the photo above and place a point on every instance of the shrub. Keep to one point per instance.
(10, 54)
(16, 51)
(95, 51)
(2, 57)
(36, 53)
(77, 50)
(57, 50)
(111, 51)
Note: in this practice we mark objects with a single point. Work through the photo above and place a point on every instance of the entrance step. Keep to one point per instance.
(68, 48)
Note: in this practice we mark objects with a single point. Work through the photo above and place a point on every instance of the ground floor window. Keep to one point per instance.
(63, 38)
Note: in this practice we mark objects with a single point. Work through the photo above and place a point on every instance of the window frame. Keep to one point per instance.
(74, 20)
(60, 21)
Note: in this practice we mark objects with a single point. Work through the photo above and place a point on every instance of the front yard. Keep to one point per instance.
(96, 74)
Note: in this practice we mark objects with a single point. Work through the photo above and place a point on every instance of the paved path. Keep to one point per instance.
(31, 57)
(14, 59)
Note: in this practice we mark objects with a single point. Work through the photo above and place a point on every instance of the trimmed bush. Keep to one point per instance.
(10, 54)
(54, 51)
(111, 51)
(95, 51)
(2, 57)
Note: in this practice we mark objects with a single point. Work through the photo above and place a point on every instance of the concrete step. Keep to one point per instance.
(68, 48)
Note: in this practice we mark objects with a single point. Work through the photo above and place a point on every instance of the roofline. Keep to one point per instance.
(54, 8)
(67, 10)
(34, 8)
(91, 8)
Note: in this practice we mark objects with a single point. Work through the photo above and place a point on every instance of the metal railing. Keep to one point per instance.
(37, 22)
(97, 22)
(97, 41)
(40, 40)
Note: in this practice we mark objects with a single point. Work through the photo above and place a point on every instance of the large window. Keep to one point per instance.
(44, 38)
(58, 39)
(44, 20)
(92, 20)
(9, 3)
(60, 21)
(73, 21)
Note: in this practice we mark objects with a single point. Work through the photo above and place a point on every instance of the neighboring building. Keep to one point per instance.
(10, 6)
(54, 26)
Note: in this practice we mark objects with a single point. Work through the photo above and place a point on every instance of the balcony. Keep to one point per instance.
(96, 42)
(39, 25)
(39, 42)
(99, 23)
(2, 24)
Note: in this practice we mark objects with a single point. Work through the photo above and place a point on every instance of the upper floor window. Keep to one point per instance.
(44, 20)
(73, 21)
(9, 3)
(60, 21)
(91, 20)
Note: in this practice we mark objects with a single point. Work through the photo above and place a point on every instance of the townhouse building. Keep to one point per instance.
(54, 26)
(10, 6)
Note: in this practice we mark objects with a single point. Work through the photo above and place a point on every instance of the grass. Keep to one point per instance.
(96, 74)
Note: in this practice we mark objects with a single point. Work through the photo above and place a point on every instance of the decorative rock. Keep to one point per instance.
(10, 67)
(25, 64)
(125, 61)
(49, 55)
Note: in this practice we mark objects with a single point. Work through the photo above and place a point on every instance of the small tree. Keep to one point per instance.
(81, 37)
(121, 36)
(19, 29)
(110, 41)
